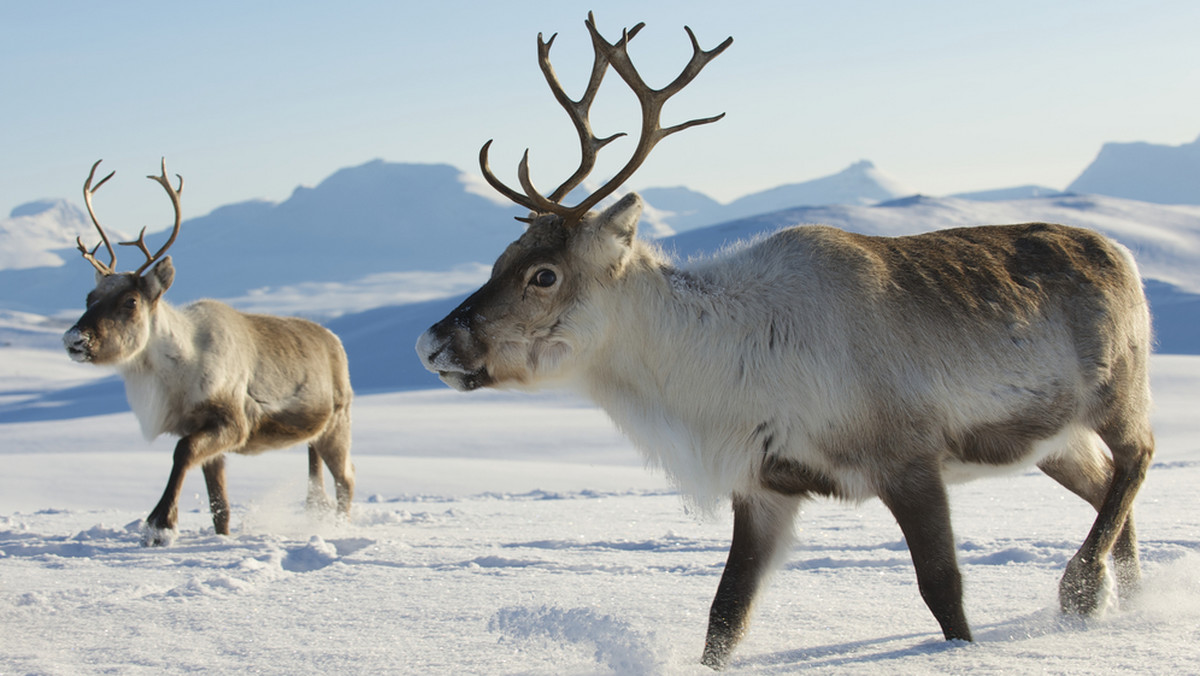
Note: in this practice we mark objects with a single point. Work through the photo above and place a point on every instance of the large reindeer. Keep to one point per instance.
(221, 380)
(821, 362)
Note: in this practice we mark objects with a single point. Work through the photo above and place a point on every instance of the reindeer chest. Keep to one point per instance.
(707, 455)
(149, 400)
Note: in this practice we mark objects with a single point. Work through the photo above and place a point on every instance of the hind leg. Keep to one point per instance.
(317, 500)
(218, 498)
(1086, 470)
(333, 447)
(1110, 486)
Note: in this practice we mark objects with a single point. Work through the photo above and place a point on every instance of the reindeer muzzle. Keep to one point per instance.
(78, 344)
(438, 355)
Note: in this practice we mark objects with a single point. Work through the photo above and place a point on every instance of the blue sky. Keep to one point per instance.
(249, 100)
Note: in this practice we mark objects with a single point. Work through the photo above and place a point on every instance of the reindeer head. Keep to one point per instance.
(538, 313)
(116, 325)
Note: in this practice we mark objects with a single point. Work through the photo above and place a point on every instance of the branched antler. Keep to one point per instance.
(578, 111)
(140, 242)
(90, 254)
(651, 101)
(173, 193)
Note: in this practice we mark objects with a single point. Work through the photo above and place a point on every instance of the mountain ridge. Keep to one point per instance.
(1146, 172)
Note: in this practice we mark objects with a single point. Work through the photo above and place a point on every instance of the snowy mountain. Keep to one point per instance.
(35, 234)
(376, 218)
(362, 223)
(861, 183)
(676, 209)
(682, 202)
(1144, 171)
(673, 210)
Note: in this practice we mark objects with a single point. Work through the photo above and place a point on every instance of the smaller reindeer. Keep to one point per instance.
(221, 380)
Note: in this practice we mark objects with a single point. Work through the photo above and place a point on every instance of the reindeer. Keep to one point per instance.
(221, 380)
(817, 362)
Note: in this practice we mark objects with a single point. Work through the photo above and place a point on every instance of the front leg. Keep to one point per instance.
(160, 525)
(761, 525)
(917, 498)
(221, 432)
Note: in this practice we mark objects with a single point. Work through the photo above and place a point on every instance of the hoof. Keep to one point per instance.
(320, 508)
(716, 656)
(1086, 590)
(158, 537)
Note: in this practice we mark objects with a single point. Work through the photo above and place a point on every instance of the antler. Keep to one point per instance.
(140, 243)
(90, 255)
(578, 111)
(173, 193)
(651, 101)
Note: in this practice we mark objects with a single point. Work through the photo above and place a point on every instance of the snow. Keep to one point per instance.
(499, 533)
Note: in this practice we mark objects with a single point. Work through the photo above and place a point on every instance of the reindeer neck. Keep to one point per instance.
(670, 375)
(671, 331)
(168, 341)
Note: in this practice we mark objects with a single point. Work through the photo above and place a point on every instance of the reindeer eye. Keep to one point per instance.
(131, 302)
(544, 278)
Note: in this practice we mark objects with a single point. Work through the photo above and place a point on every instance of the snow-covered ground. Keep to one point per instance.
(499, 533)
(517, 534)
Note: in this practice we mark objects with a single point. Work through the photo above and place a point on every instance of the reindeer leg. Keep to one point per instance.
(219, 434)
(761, 525)
(334, 448)
(917, 498)
(1125, 554)
(1081, 589)
(218, 500)
(160, 525)
(1085, 470)
(316, 501)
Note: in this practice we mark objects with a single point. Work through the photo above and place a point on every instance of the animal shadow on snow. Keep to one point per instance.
(851, 653)
(102, 397)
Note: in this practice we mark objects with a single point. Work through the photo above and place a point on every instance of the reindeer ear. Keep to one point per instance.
(621, 219)
(160, 278)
